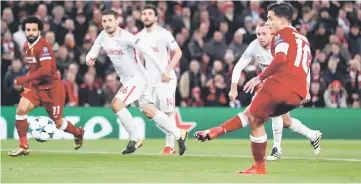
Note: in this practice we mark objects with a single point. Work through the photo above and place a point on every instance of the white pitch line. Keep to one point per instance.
(193, 155)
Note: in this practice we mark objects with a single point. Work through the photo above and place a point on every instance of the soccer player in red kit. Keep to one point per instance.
(42, 86)
(283, 89)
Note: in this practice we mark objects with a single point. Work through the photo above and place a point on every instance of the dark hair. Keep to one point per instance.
(32, 20)
(151, 7)
(282, 9)
(110, 12)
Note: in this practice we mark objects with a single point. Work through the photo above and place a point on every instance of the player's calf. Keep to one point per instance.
(68, 127)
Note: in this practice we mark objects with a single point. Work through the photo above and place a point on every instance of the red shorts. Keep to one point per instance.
(273, 99)
(52, 100)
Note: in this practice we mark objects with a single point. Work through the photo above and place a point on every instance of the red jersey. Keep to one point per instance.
(36, 55)
(294, 72)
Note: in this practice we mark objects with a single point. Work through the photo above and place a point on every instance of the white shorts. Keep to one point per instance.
(135, 89)
(164, 96)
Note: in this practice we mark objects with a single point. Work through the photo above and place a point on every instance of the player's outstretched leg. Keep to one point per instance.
(235, 123)
(277, 128)
(24, 107)
(296, 126)
(67, 126)
(126, 120)
(163, 121)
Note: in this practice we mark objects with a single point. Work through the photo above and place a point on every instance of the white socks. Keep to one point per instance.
(163, 121)
(277, 128)
(127, 121)
(300, 128)
(169, 138)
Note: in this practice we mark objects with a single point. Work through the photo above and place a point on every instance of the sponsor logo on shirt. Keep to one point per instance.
(117, 52)
(278, 39)
(45, 51)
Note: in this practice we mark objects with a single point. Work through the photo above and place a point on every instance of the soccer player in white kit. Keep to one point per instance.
(163, 45)
(259, 51)
(121, 47)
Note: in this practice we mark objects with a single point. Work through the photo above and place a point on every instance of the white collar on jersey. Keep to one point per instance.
(35, 42)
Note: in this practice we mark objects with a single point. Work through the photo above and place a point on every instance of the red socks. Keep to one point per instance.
(22, 128)
(259, 145)
(70, 128)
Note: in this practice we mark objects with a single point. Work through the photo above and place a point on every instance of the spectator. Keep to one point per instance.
(56, 24)
(9, 51)
(343, 22)
(216, 92)
(50, 37)
(353, 83)
(204, 31)
(332, 73)
(249, 31)
(216, 47)
(196, 45)
(335, 96)
(81, 27)
(186, 18)
(320, 57)
(97, 19)
(237, 45)
(216, 69)
(224, 29)
(130, 26)
(92, 33)
(196, 99)
(71, 89)
(90, 94)
(354, 40)
(62, 58)
(190, 79)
(317, 99)
(335, 47)
(42, 13)
(11, 92)
(110, 88)
(73, 50)
(318, 38)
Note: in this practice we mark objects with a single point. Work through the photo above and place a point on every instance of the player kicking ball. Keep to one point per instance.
(284, 89)
(259, 50)
(121, 47)
(41, 86)
(163, 44)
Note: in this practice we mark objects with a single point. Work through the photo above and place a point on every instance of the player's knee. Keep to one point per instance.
(117, 105)
(21, 110)
(287, 121)
(149, 111)
(58, 123)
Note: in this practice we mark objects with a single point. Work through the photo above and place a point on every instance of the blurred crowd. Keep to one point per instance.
(212, 35)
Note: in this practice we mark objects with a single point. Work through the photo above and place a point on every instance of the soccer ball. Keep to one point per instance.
(42, 128)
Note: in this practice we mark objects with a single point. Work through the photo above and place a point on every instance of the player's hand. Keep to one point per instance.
(307, 99)
(233, 93)
(90, 62)
(166, 77)
(251, 85)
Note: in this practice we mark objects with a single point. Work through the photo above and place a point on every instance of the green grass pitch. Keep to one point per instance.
(216, 161)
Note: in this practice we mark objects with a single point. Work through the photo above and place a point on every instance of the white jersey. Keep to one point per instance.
(162, 42)
(122, 51)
